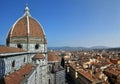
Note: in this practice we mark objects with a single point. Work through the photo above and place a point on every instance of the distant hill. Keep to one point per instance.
(67, 48)
(76, 48)
(99, 47)
(114, 49)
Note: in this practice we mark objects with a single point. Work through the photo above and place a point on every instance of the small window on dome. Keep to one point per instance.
(37, 46)
(19, 45)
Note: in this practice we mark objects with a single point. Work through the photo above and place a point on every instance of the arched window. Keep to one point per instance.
(24, 60)
(37, 46)
(13, 63)
(19, 45)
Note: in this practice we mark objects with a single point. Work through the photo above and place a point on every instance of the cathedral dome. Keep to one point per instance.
(27, 33)
(26, 26)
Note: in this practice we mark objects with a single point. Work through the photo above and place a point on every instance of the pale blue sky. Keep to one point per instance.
(68, 22)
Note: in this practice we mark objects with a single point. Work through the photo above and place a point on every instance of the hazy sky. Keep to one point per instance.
(68, 22)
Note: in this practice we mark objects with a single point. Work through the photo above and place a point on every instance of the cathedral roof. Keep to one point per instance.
(38, 56)
(26, 26)
(19, 75)
(4, 49)
(52, 57)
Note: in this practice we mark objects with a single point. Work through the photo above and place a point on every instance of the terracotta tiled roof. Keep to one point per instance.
(113, 71)
(35, 28)
(52, 57)
(21, 28)
(17, 76)
(10, 49)
(84, 73)
(38, 56)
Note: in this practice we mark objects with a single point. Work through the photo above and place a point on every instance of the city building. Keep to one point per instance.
(87, 69)
(113, 73)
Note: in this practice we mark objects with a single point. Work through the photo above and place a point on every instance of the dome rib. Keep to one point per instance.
(28, 25)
